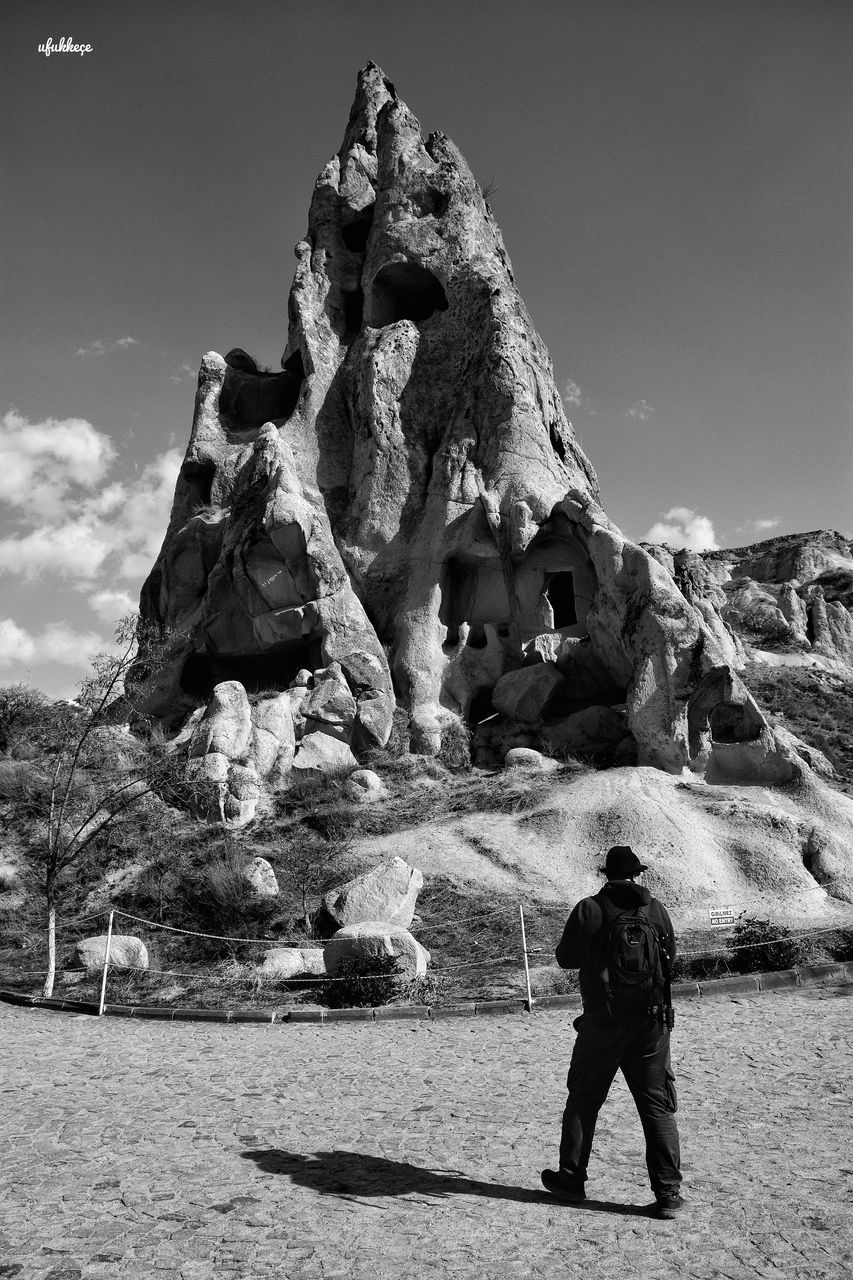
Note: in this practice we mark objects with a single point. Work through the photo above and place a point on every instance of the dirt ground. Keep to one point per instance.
(139, 1149)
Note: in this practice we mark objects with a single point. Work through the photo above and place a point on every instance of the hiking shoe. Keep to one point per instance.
(668, 1207)
(558, 1184)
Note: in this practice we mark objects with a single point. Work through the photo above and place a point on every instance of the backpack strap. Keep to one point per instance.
(611, 912)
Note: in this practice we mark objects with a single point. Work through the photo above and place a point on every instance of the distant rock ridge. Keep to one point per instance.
(403, 516)
(788, 596)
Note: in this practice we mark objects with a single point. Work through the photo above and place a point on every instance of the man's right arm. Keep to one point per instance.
(568, 953)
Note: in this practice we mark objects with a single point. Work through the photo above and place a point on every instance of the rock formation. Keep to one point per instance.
(789, 596)
(407, 484)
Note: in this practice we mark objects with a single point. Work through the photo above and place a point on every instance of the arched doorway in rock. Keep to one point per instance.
(559, 591)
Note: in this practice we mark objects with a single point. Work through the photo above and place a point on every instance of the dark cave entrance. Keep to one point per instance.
(405, 291)
(560, 593)
(734, 722)
(199, 477)
(256, 672)
(356, 232)
(353, 303)
(250, 398)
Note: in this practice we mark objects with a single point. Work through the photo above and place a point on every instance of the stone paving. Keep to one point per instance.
(374, 1151)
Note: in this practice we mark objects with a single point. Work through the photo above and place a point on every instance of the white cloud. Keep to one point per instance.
(112, 603)
(681, 527)
(758, 526)
(640, 411)
(101, 348)
(73, 550)
(146, 511)
(73, 529)
(41, 462)
(57, 642)
(184, 373)
(572, 394)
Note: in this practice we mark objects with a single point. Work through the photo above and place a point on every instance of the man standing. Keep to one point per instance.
(623, 943)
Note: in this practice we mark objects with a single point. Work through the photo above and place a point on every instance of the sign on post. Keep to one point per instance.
(721, 916)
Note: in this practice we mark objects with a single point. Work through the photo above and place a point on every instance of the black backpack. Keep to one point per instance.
(631, 962)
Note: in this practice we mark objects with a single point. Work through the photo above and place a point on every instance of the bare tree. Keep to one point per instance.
(93, 782)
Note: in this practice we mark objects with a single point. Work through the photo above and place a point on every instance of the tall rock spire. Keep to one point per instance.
(409, 486)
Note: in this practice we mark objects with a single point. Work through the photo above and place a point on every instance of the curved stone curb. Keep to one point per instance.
(736, 984)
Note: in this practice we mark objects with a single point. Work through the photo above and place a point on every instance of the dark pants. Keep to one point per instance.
(641, 1048)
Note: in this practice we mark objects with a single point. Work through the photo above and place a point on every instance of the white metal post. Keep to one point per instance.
(106, 966)
(526, 966)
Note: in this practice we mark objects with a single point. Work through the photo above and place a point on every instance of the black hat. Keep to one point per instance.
(622, 863)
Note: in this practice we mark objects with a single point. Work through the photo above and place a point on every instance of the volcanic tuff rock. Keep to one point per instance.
(408, 483)
(790, 596)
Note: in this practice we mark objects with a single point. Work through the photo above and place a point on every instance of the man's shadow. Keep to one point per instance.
(354, 1175)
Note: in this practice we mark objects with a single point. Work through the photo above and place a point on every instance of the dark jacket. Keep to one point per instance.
(578, 947)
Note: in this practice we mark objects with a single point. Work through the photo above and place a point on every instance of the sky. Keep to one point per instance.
(674, 183)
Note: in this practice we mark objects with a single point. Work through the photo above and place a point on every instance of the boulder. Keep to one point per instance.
(126, 952)
(293, 962)
(364, 786)
(282, 962)
(319, 754)
(313, 961)
(525, 694)
(527, 758)
(330, 706)
(389, 892)
(241, 795)
(273, 737)
(372, 938)
(588, 730)
(226, 727)
(261, 878)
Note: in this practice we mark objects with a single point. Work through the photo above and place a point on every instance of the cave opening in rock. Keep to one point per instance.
(199, 477)
(249, 399)
(560, 592)
(256, 672)
(732, 722)
(353, 300)
(405, 291)
(356, 232)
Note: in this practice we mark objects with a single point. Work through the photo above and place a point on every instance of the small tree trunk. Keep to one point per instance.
(47, 990)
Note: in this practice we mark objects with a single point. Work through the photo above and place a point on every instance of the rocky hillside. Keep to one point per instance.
(788, 599)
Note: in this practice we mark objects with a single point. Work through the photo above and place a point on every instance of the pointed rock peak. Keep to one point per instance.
(373, 90)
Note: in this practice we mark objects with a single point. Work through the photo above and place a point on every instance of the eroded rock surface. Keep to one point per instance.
(389, 892)
(408, 485)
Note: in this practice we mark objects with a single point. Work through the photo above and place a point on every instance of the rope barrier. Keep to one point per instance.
(190, 933)
(218, 937)
(765, 942)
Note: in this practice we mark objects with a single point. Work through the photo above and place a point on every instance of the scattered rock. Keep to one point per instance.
(588, 730)
(527, 758)
(364, 786)
(389, 892)
(319, 754)
(226, 727)
(371, 938)
(262, 879)
(282, 962)
(126, 952)
(525, 694)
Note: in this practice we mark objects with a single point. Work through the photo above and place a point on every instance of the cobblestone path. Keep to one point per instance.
(374, 1151)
